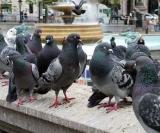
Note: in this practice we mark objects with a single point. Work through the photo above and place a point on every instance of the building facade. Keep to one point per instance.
(10, 9)
(143, 6)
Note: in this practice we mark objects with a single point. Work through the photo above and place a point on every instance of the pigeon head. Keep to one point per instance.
(73, 38)
(104, 48)
(49, 39)
(38, 32)
(12, 32)
(143, 65)
(20, 43)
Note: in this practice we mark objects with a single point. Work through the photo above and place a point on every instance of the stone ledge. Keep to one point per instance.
(74, 117)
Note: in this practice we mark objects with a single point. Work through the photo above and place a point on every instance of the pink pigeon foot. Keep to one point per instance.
(104, 105)
(20, 101)
(31, 99)
(112, 108)
(55, 104)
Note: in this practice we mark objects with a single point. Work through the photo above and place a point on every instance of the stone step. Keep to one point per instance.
(74, 117)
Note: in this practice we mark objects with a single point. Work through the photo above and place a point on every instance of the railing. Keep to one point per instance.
(15, 18)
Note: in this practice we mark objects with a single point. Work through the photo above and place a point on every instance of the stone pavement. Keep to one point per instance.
(75, 115)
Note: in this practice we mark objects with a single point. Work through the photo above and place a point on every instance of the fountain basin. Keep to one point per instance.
(89, 32)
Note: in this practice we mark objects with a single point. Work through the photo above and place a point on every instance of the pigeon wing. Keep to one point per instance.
(55, 69)
(53, 72)
(149, 108)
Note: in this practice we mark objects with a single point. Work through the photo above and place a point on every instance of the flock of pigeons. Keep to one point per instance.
(116, 71)
(120, 72)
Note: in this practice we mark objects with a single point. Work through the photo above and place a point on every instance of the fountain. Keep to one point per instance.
(86, 24)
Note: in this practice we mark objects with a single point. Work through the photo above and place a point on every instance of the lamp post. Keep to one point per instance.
(20, 12)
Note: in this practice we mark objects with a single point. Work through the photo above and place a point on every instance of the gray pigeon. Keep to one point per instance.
(6, 65)
(25, 75)
(136, 48)
(34, 43)
(108, 75)
(2, 45)
(48, 53)
(28, 56)
(63, 70)
(146, 91)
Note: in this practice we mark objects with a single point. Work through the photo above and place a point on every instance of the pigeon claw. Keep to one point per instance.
(55, 104)
(31, 99)
(112, 108)
(67, 100)
(104, 105)
(20, 102)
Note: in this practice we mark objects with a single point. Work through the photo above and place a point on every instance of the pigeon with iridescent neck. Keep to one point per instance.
(26, 76)
(146, 94)
(109, 75)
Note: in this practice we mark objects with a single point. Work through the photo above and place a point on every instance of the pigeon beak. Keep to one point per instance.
(80, 42)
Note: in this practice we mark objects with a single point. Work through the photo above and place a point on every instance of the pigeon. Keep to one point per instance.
(2, 45)
(82, 56)
(146, 90)
(26, 76)
(98, 96)
(63, 70)
(78, 8)
(34, 43)
(48, 53)
(136, 48)
(28, 56)
(109, 75)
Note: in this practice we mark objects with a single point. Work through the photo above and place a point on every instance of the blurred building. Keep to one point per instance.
(142, 6)
(10, 9)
